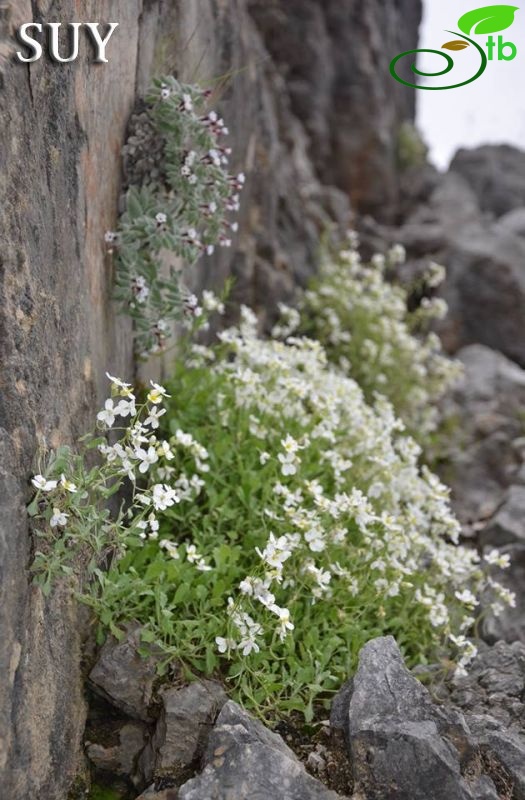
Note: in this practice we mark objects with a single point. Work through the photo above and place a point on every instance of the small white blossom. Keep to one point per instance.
(59, 518)
(42, 484)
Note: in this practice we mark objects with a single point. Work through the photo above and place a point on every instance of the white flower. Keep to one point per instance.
(164, 450)
(146, 457)
(107, 415)
(154, 415)
(59, 518)
(125, 389)
(157, 393)
(264, 458)
(68, 485)
(285, 624)
(163, 496)
(467, 597)
(288, 463)
(126, 408)
(170, 547)
(495, 558)
(224, 645)
(315, 539)
(397, 254)
(161, 218)
(43, 485)
(248, 645)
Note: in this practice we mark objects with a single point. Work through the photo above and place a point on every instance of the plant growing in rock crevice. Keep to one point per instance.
(276, 522)
(180, 212)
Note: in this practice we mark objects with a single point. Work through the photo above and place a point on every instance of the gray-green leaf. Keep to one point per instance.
(489, 19)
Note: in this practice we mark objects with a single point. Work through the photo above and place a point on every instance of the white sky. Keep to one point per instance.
(492, 108)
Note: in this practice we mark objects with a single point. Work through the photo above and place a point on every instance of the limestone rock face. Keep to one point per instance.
(245, 760)
(496, 173)
(62, 128)
(334, 57)
(402, 746)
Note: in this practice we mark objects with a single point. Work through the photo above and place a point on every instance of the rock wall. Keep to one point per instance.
(62, 128)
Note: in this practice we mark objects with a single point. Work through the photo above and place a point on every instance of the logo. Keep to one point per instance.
(480, 21)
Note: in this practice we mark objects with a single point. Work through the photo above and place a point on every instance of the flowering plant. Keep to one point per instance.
(274, 522)
(368, 331)
(171, 222)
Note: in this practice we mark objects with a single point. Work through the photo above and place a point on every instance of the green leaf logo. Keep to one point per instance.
(489, 19)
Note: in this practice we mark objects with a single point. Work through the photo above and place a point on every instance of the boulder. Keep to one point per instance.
(402, 746)
(496, 173)
(492, 693)
(507, 526)
(124, 677)
(508, 751)
(513, 222)
(483, 459)
(246, 761)
(183, 728)
(120, 757)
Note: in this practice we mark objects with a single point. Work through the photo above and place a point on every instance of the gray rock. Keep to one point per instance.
(496, 174)
(507, 526)
(484, 789)
(509, 752)
(119, 758)
(510, 624)
(485, 289)
(403, 747)
(183, 728)
(246, 761)
(163, 794)
(125, 677)
(513, 222)
(492, 694)
(328, 53)
(483, 458)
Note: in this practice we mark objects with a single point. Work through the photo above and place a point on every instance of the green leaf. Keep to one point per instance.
(489, 19)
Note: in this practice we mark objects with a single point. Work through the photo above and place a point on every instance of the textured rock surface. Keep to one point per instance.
(59, 180)
(402, 746)
(493, 692)
(124, 677)
(485, 460)
(496, 173)
(334, 57)
(246, 761)
(182, 732)
(119, 758)
(62, 128)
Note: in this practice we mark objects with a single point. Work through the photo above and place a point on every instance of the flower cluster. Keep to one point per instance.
(364, 323)
(169, 224)
(274, 521)
(70, 517)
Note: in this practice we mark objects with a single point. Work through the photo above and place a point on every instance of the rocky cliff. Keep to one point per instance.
(315, 120)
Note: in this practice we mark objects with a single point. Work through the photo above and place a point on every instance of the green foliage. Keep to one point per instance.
(169, 224)
(364, 324)
(411, 149)
(276, 523)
